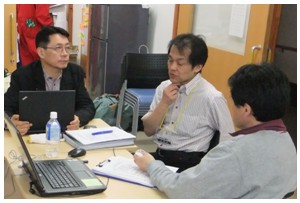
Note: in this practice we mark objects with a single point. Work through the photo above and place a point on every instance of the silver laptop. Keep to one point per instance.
(75, 178)
(35, 107)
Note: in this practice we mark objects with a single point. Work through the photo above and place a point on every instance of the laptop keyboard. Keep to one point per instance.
(57, 174)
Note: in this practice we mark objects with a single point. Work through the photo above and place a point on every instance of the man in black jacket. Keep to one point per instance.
(52, 72)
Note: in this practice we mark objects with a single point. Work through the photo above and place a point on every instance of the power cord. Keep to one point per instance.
(114, 152)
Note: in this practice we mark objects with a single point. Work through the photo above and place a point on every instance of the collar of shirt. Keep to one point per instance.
(52, 84)
(47, 76)
(187, 88)
(276, 125)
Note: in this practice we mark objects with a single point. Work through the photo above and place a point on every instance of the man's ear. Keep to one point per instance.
(248, 109)
(198, 68)
(41, 52)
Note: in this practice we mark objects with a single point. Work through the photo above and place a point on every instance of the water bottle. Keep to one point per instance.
(53, 134)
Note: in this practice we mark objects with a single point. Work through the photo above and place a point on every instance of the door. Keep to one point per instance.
(10, 37)
(221, 63)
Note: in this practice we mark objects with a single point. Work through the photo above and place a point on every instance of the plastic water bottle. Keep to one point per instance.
(53, 134)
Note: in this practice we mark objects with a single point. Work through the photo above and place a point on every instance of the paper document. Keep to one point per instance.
(98, 135)
(124, 169)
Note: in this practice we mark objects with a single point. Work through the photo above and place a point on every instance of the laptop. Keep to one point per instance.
(82, 179)
(35, 107)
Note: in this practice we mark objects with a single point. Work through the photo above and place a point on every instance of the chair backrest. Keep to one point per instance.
(214, 140)
(142, 70)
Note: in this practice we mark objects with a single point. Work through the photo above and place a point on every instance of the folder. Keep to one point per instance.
(125, 169)
(97, 138)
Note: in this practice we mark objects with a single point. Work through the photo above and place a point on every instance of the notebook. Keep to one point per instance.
(82, 179)
(35, 107)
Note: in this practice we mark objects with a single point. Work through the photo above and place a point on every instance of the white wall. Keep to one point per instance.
(77, 18)
(160, 27)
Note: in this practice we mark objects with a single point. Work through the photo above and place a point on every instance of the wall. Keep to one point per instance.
(77, 18)
(160, 27)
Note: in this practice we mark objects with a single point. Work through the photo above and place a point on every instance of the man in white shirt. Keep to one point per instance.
(186, 110)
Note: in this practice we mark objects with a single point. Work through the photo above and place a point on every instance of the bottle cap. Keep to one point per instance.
(53, 114)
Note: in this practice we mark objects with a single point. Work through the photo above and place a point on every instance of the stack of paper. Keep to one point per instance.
(97, 138)
(125, 169)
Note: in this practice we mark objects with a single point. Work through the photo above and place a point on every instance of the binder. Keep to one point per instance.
(97, 138)
(124, 169)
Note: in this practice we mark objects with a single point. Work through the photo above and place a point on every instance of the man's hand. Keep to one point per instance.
(22, 126)
(143, 159)
(74, 124)
(170, 94)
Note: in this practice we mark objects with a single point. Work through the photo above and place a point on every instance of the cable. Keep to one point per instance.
(107, 182)
(114, 153)
(100, 165)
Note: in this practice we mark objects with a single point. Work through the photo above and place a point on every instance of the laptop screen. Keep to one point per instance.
(35, 107)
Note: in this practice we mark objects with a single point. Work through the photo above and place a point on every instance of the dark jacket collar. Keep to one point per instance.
(276, 125)
(39, 76)
(66, 81)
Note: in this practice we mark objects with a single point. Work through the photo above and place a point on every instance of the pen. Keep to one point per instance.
(102, 132)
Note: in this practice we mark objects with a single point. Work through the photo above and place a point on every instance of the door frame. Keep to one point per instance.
(10, 37)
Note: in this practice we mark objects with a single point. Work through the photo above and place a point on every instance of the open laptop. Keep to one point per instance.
(35, 107)
(83, 180)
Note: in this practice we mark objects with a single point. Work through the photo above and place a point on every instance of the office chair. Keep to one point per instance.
(214, 140)
(141, 74)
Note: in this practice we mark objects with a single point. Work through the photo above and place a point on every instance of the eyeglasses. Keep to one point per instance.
(59, 49)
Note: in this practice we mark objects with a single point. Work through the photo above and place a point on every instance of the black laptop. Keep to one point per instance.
(35, 107)
(74, 177)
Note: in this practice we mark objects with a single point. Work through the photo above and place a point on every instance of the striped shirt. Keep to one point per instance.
(199, 110)
(52, 84)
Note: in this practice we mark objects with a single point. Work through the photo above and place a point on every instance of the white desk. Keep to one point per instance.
(17, 181)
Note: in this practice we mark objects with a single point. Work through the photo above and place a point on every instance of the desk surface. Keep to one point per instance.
(115, 189)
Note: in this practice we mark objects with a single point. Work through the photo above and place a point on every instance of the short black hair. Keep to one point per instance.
(262, 86)
(42, 37)
(199, 50)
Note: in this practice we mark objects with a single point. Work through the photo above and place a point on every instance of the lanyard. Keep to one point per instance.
(179, 118)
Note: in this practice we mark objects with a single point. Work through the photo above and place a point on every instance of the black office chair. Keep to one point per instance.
(214, 140)
(141, 74)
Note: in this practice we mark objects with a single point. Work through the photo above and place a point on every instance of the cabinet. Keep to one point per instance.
(115, 30)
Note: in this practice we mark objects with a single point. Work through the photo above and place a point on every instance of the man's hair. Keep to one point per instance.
(42, 37)
(263, 87)
(196, 44)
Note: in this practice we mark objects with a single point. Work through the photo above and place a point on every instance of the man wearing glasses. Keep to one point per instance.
(51, 73)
